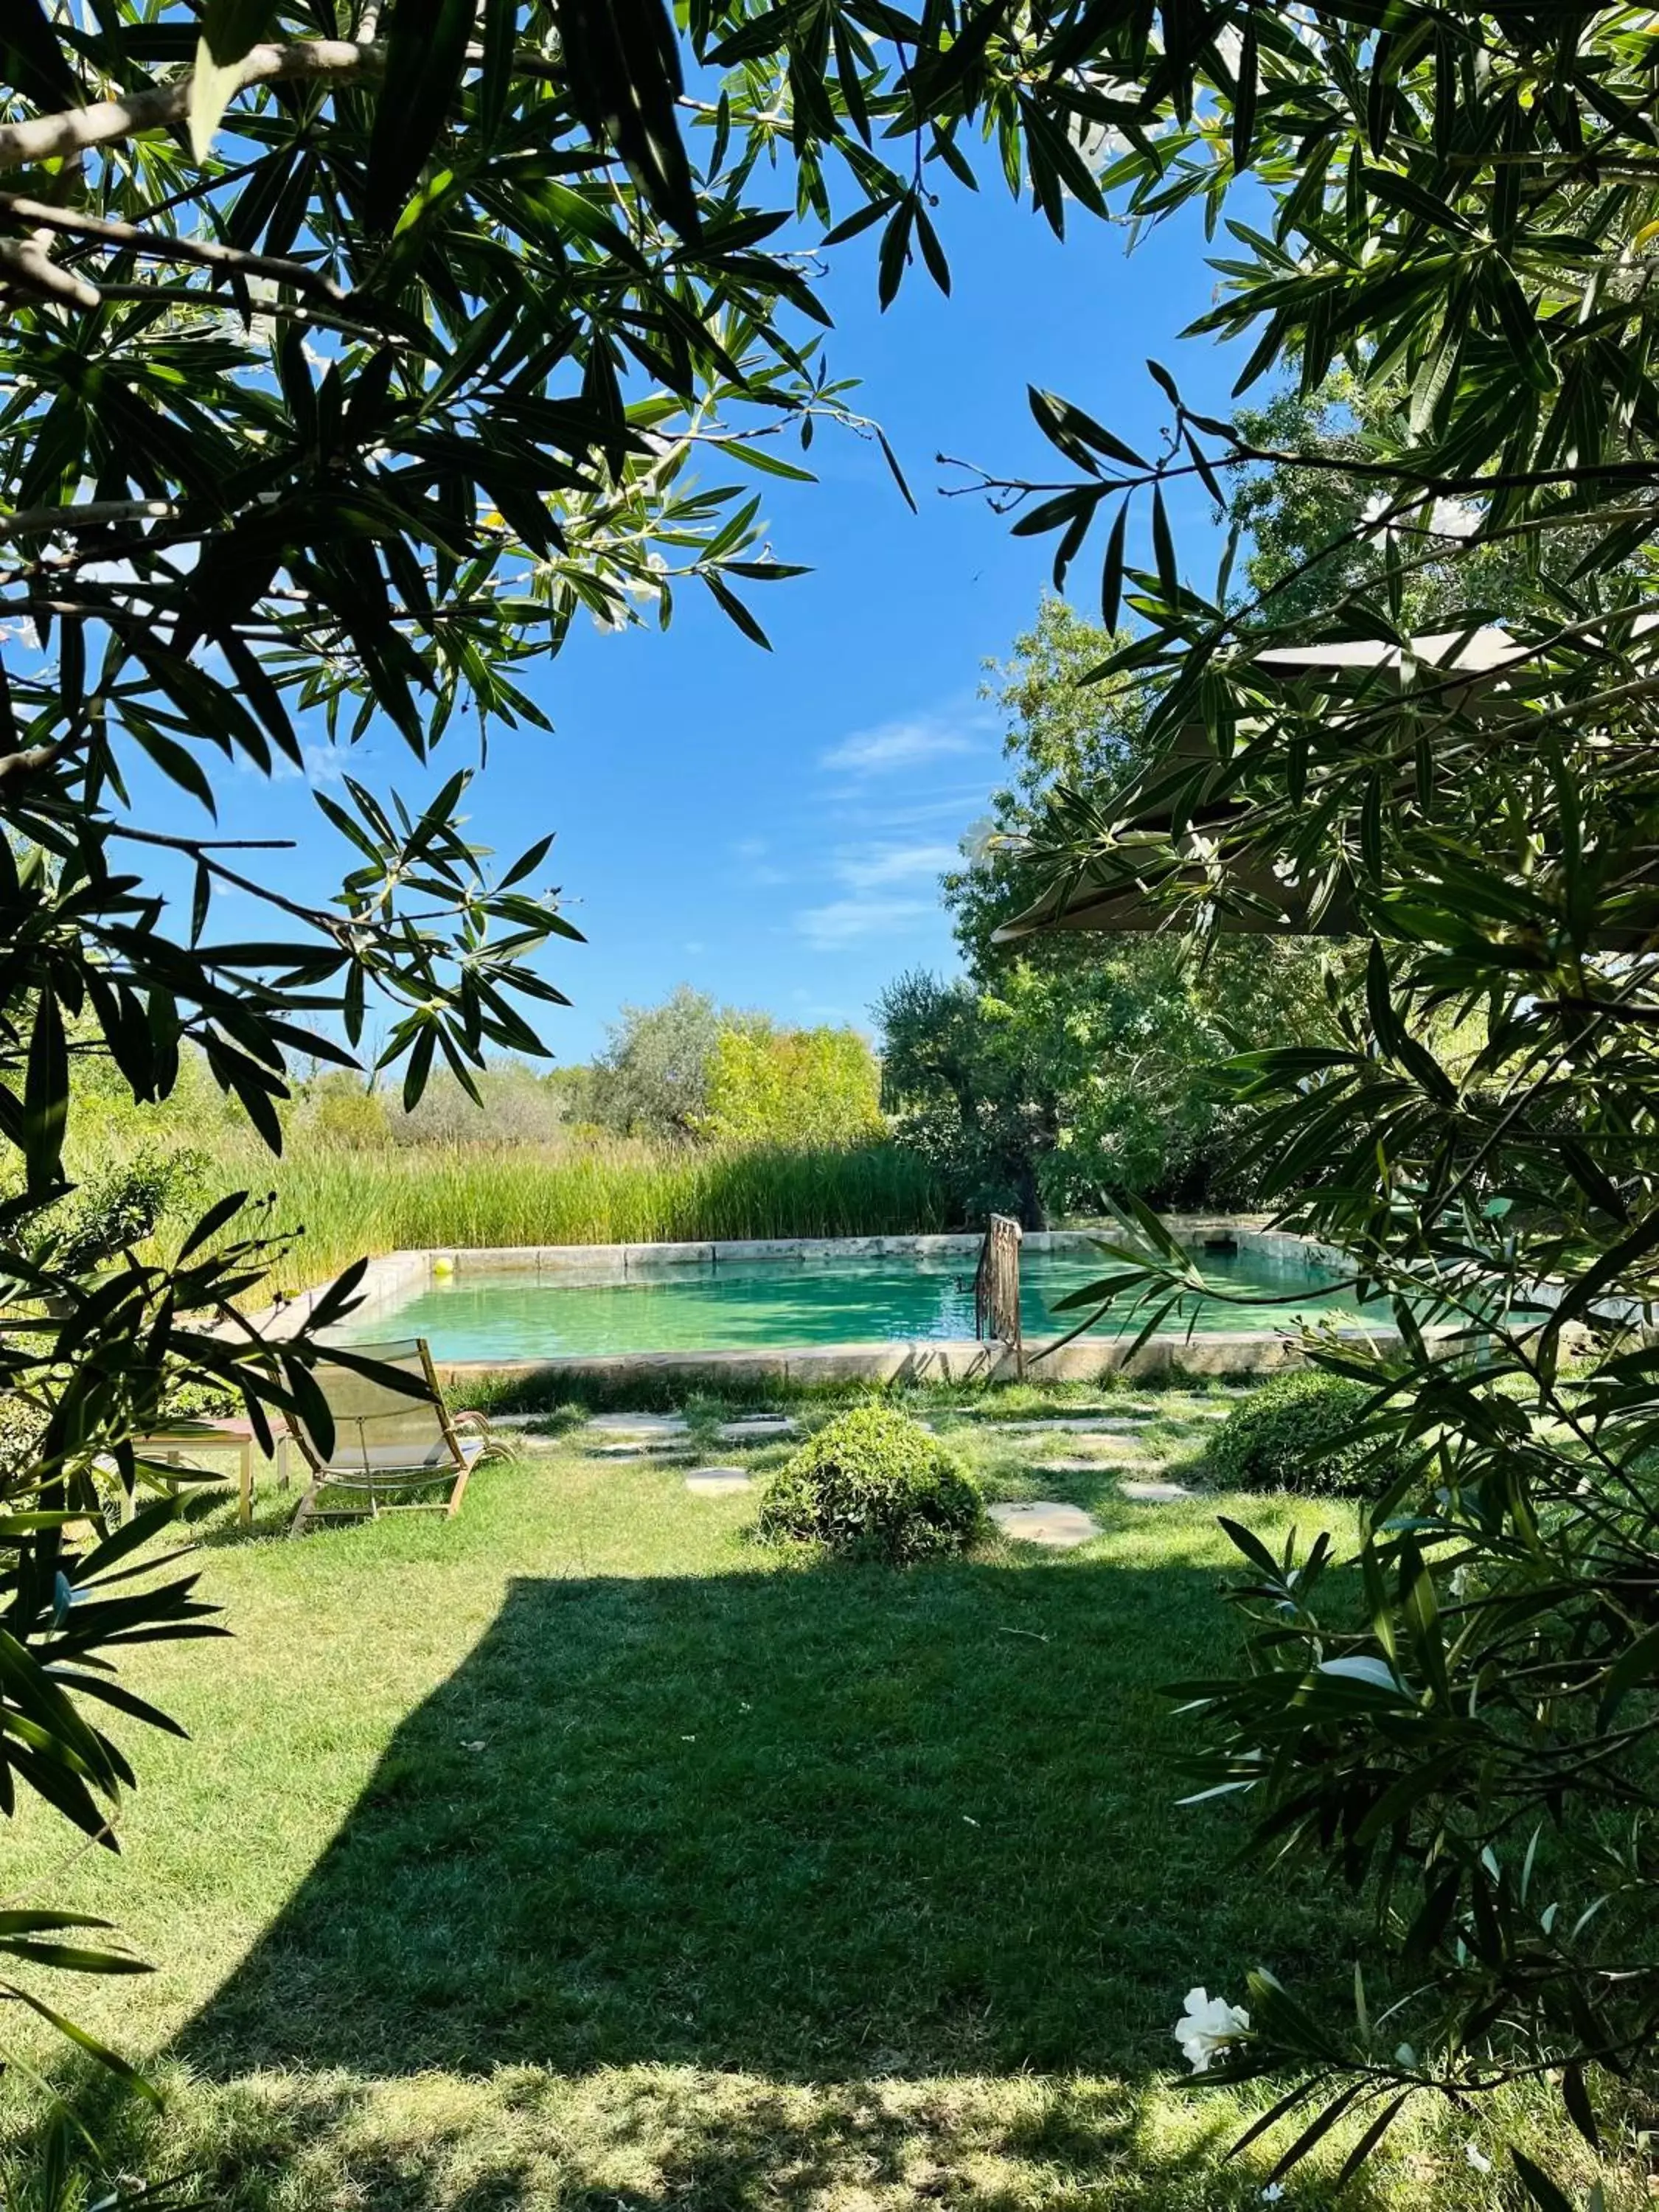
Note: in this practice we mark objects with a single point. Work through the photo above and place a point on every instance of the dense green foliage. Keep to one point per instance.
(652, 1078)
(350, 1182)
(524, 1165)
(1061, 732)
(1301, 1431)
(1055, 1079)
(874, 1484)
(688, 1069)
(604, 1191)
(532, 313)
(1459, 208)
(515, 1103)
(811, 1089)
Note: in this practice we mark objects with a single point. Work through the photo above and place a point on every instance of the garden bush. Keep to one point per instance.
(1296, 1432)
(874, 1484)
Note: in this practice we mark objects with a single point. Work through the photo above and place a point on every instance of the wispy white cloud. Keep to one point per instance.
(808, 1010)
(320, 764)
(907, 743)
(758, 869)
(845, 921)
(959, 804)
(880, 865)
(881, 879)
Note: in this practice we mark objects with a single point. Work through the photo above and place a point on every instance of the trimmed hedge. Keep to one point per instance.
(874, 1484)
(1296, 1432)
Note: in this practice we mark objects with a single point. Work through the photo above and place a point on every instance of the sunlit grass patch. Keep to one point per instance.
(582, 1853)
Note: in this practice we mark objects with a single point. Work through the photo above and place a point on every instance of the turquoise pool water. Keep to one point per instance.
(761, 1303)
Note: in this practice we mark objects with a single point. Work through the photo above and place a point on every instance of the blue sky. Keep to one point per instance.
(770, 827)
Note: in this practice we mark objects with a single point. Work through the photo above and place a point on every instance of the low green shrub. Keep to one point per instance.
(874, 1484)
(1296, 1432)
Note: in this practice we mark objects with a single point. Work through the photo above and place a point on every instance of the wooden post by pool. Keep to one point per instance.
(996, 1287)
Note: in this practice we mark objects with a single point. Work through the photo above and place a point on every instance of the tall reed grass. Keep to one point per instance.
(349, 1202)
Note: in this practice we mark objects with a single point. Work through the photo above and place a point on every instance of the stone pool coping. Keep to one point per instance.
(916, 1360)
(392, 1276)
(395, 1277)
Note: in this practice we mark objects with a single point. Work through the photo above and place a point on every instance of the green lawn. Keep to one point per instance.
(580, 1853)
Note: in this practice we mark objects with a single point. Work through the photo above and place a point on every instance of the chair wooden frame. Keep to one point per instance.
(385, 1487)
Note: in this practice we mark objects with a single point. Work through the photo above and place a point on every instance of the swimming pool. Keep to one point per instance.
(486, 1313)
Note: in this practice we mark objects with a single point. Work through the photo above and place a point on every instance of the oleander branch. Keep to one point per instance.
(159, 107)
(26, 266)
(163, 106)
(206, 253)
(90, 514)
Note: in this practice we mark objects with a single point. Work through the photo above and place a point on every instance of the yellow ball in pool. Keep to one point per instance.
(443, 1267)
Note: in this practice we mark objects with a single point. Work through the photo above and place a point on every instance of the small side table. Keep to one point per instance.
(173, 1445)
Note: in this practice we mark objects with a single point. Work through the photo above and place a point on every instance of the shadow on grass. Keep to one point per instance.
(818, 1825)
(646, 2140)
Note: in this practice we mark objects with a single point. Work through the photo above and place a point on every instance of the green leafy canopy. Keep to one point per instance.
(352, 414)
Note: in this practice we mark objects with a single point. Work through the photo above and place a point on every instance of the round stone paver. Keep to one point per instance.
(717, 1481)
(1155, 1493)
(1044, 1521)
(638, 1424)
(759, 1428)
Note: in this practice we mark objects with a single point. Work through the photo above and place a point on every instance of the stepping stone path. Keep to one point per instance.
(1154, 1493)
(1071, 1467)
(717, 1481)
(759, 1429)
(635, 1425)
(631, 1436)
(1107, 1424)
(1059, 1527)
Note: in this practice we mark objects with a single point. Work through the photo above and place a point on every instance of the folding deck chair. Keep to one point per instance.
(390, 1444)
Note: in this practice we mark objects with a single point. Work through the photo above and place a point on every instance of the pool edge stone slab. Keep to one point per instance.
(941, 1359)
(391, 1278)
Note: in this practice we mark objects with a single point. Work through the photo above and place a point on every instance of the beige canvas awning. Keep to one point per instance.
(1263, 903)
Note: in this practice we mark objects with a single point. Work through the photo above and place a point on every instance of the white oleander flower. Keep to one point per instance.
(1374, 1672)
(1209, 2027)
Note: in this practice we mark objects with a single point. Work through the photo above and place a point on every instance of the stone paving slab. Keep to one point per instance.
(1154, 1493)
(718, 1481)
(637, 1448)
(638, 1424)
(1076, 1463)
(760, 1428)
(1045, 1520)
(1078, 1424)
